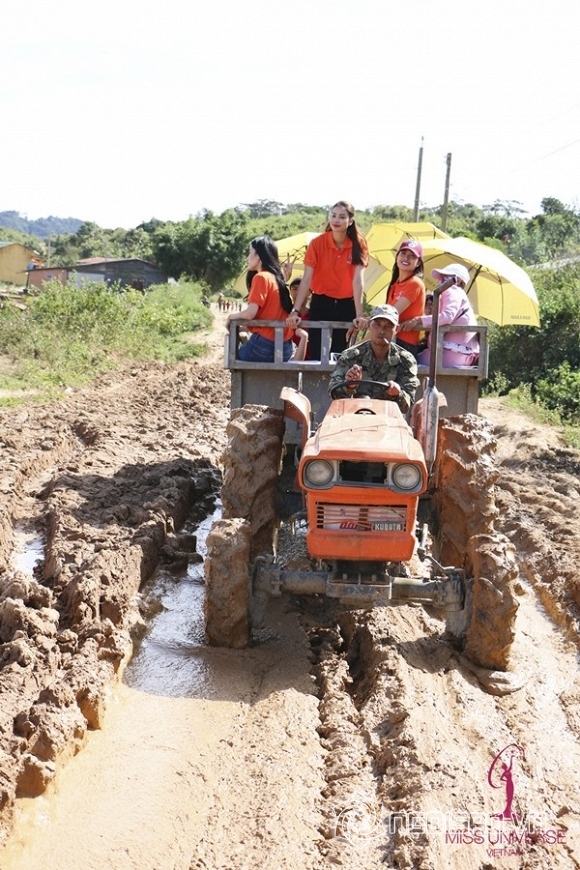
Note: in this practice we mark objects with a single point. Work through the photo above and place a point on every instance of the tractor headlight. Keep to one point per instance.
(319, 472)
(407, 477)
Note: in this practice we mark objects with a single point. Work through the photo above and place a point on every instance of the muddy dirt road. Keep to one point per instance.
(358, 739)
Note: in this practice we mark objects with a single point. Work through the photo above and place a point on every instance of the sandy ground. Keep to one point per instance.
(339, 739)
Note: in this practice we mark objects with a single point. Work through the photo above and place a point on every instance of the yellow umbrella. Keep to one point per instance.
(384, 240)
(499, 289)
(293, 248)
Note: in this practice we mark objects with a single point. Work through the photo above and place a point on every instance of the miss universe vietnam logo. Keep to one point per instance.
(501, 776)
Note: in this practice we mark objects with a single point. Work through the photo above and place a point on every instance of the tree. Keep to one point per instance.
(92, 241)
(263, 208)
(209, 248)
(559, 228)
(387, 213)
(549, 355)
(551, 205)
(510, 208)
(526, 245)
(8, 235)
(137, 243)
(492, 226)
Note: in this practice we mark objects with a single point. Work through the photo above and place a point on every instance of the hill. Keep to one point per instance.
(42, 228)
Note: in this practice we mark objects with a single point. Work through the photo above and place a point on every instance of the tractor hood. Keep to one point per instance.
(364, 429)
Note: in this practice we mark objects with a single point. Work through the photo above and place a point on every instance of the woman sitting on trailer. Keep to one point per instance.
(268, 299)
(461, 347)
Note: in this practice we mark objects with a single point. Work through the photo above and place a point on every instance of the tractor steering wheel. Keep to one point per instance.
(366, 381)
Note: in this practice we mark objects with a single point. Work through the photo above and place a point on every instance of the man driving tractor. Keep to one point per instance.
(377, 359)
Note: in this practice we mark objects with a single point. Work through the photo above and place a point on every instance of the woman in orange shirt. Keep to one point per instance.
(268, 299)
(334, 267)
(406, 292)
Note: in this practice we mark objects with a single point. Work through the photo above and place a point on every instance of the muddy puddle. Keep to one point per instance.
(169, 659)
(161, 721)
(168, 655)
(28, 551)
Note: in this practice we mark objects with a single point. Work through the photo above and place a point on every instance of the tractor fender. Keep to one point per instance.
(425, 421)
(297, 407)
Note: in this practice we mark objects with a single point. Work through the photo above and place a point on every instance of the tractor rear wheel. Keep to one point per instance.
(248, 525)
(227, 584)
(251, 468)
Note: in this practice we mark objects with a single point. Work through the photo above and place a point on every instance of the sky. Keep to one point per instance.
(119, 111)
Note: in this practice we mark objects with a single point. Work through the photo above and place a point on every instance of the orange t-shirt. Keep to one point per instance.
(333, 268)
(412, 289)
(265, 294)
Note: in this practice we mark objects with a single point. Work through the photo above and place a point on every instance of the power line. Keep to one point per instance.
(542, 157)
(563, 148)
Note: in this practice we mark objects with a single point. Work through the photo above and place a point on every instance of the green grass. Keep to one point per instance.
(521, 399)
(67, 335)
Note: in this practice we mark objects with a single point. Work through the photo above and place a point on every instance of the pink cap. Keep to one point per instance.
(412, 245)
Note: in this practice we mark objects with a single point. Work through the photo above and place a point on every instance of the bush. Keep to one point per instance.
(546, 357)
(561, 392)
(69, 334)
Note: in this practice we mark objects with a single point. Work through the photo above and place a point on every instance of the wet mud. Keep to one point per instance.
(337, 738)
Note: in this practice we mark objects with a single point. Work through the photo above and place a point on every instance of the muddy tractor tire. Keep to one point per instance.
(251, 468)
(227, 584)
(249, 521)
(465, 476)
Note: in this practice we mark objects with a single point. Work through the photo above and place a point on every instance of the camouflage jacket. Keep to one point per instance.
(399, 366)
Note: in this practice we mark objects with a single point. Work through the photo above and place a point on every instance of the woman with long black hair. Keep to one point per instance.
(268, 299)
(406, 293)
(334, 267)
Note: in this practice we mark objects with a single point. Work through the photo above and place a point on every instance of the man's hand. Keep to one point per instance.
(354, 373)
(393, 390)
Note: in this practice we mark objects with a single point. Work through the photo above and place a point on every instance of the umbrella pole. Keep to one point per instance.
(434, 356)
(430, 414)
(473, 280)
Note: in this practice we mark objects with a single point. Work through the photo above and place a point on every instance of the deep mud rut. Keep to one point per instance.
(339, 739)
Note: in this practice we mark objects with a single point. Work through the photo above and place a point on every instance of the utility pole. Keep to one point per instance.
(446, 195)
(418, 188)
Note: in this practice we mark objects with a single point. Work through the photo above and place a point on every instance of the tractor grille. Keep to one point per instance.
(361, 518)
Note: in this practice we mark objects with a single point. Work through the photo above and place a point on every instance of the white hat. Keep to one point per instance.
(389, 312)
(453, 269)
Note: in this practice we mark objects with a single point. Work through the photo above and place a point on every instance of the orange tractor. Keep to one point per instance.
(361, 474)
(343, 498)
